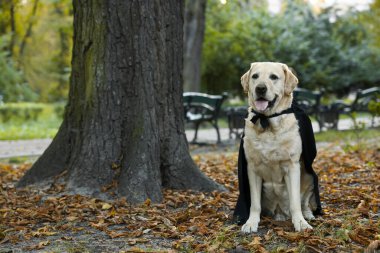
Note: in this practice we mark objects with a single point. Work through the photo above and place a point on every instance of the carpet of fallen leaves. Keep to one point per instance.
(48, 220)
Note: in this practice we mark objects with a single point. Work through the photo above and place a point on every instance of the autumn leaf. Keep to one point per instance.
(106, 206)
(195, 221)
(71, 218)
(39, 246)
(373, 247)
(147, 202)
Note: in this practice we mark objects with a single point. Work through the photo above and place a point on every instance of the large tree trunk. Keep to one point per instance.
(195, 15)
(123, 123)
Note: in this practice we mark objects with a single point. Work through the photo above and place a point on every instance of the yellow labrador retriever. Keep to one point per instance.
(278, 183)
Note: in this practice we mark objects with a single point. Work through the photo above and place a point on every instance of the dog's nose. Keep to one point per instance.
(261, 90)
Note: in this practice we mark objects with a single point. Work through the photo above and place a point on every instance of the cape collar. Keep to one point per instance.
(264, 119)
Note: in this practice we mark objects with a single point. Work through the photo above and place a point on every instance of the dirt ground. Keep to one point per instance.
(48, 220)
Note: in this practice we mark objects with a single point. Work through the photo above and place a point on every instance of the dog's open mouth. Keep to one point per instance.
(262, 104)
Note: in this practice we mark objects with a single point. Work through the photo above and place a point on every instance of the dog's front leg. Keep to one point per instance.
(255, 183)
(293, 184)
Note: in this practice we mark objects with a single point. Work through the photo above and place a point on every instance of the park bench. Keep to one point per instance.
(236, 120)
(200, 108)
(361, 102)
(310, 102)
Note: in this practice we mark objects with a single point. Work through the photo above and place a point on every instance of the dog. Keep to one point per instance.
(279, 184)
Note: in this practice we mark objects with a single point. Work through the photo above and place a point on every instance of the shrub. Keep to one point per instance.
(13, 88)
(374, 106)
(325, 54)
(20, 112)
(59, 110)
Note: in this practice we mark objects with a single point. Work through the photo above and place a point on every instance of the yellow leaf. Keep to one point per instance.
(106, 206)
(44, 243)
(113, 212)
(71, 218)
(132, 242)
(147, 202)
(135, 249)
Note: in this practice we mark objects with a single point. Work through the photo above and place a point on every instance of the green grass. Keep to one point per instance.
(347, 135)
(30, 130)
(46, 126)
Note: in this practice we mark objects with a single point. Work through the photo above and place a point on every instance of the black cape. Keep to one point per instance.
(309, 151)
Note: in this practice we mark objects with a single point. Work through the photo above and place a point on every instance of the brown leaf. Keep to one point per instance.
(358, 238)
(71, 218)
(256, 245)
(268, 235)
(147, 202)
(373, 247)
(38, 246)
(135, 250)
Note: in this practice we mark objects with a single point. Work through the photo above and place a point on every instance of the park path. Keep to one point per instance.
(36, 147)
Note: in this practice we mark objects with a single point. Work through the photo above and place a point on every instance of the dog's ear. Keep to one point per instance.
(245, 79)
(291, 80)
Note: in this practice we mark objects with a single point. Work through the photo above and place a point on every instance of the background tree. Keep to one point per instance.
(47, 57)
(29, 29)
(63, 57)
(193, 39)
(371, 20)
(38, 36)
(330, 49)
(123, 124)
(335, 55)
(12, 85)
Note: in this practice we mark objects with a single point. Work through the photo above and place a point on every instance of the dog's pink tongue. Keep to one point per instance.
(261, 105)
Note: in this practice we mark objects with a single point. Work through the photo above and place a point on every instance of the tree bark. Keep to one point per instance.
(123, 124)
(195, 15)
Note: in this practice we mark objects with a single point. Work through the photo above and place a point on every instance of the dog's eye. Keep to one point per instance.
(273, 77)
(255, 76)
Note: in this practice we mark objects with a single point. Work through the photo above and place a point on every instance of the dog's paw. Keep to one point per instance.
(301, 224)
(308, 215)
(250, 227)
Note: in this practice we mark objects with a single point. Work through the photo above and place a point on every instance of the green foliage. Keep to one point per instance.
(20, 112)
(371, 20)
(347, 136)
(12, 85)
(228, 46)
(31, 130)
(59, 110)
(38, 48)
(29, 121)
(47, 58)
(332, 55)
(374, 107)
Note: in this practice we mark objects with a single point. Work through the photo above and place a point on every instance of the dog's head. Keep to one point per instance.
(269, 86)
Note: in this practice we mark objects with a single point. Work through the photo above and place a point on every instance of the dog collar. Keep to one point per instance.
(264, 119)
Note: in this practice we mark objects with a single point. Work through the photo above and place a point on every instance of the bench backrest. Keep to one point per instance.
(308, 100)
(203, 103)
(236, 116)
(363, 97)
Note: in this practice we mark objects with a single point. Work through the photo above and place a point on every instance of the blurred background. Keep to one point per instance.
(333, 46)
(330, 44)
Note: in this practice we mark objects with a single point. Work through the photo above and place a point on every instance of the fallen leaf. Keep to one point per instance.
(373, 247)
(106, 206)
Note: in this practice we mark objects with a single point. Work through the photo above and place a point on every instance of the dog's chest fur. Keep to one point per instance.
(270, 152)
